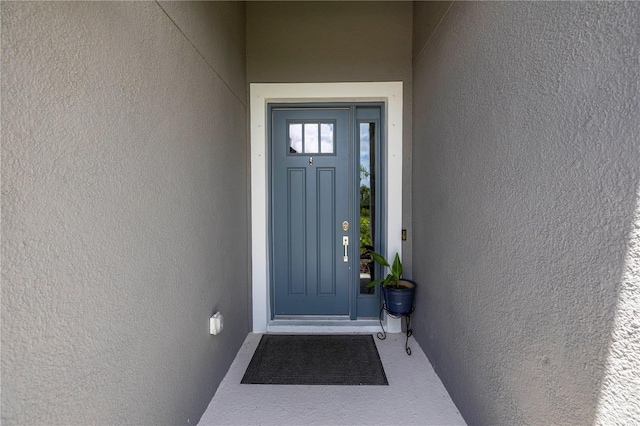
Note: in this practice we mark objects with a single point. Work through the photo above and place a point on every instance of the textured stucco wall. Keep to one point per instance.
(124, 210)
(427, 16)
(318, 42)
(526, 164)
(619, 401)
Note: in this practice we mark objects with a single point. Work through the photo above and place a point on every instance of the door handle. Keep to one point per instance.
(345, 244)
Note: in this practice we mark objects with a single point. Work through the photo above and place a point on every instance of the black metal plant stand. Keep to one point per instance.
(407, 322)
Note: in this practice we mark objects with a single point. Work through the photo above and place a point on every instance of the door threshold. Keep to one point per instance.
(323, 326)
(311, 318)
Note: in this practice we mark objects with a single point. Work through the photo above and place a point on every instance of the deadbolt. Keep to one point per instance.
(345, 226)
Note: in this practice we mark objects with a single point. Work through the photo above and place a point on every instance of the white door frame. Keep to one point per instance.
(263, 93)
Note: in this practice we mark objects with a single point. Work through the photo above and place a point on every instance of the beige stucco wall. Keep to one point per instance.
(526, 168)
(124, 209)
(318, 42)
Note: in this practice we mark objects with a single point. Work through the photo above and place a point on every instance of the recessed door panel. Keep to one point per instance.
(297, 226)
(326, 220)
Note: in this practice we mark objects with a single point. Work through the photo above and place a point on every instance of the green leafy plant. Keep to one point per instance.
(365, 232)
(395, 271)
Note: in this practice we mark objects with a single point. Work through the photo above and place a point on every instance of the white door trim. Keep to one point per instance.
(263, 93)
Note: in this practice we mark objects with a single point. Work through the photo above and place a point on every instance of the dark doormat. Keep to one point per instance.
(315, 360)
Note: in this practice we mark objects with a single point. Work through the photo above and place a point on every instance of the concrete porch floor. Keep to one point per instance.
(415, 395)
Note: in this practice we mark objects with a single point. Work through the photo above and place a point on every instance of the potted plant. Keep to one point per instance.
(397, 291)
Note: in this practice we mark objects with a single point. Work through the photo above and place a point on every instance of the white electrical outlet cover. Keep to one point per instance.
(215, 323)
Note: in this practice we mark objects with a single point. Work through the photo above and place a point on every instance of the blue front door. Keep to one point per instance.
(312, 209)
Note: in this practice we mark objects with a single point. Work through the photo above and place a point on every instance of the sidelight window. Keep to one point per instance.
(367, 139)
